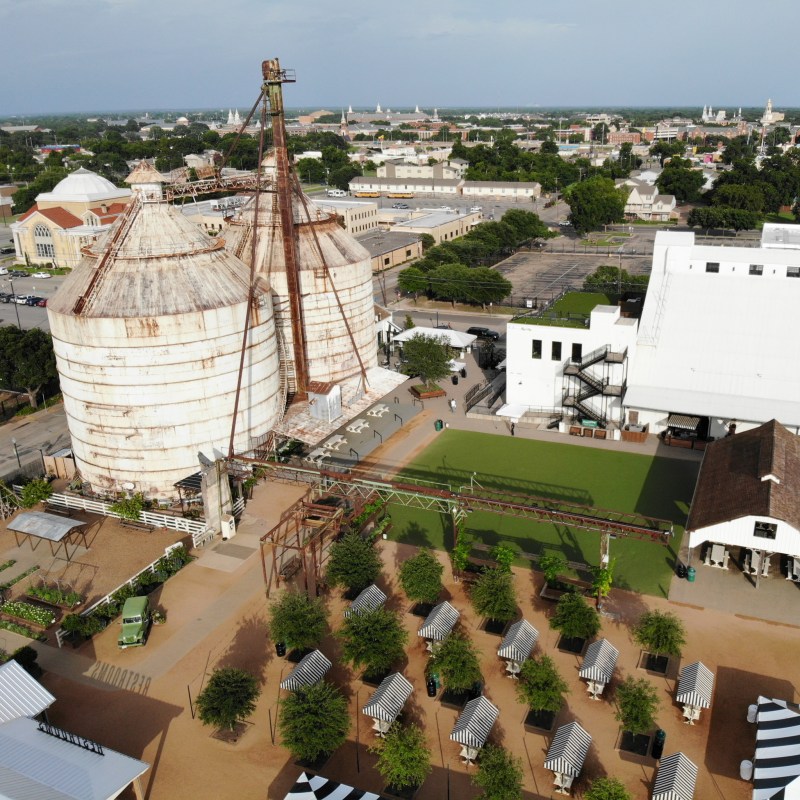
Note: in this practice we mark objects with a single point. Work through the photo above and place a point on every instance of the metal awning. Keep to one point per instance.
(20, 694)
(776, 773)
(568, 750)
(314, 787)
(439, 622)
(683, 422)
(695, 686)
(389, 698)
(474, 723)
(676, 778)
(599, 662)
(369, 599)
(311, 669)
(192, 483)
(519, 642)
(54, 529)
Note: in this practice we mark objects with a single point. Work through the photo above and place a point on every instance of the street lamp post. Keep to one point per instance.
(16, 452)
(14, 300)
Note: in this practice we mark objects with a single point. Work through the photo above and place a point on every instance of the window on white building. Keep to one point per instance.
(555, 351)
(793, 272)
(712, 266)
(42, 232)
(765, 530)
(577, 352)
(756, 269)
(536, 348)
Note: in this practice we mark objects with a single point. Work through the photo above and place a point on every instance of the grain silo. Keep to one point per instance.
(149, 335)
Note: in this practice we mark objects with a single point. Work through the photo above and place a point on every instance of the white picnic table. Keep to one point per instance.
(318, 456)
(335, 442)
(378, 411)
(793, 569)
(718, 556)
(357, 426)
(755, 561)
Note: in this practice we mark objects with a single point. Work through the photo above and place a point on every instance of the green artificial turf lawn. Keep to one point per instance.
(655, 487)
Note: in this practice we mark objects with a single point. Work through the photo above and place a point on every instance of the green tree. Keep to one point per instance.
(341, 177)
(550, 147)
(607, 789)
(428, 356)
(34, 492)
(540, 685)
(493, 595)
(595, 202)
(660, 633)
(297, 620)
(666, 150)
(575, 618)
(456, 661)
(228, 698)
(462, 550)
(404, 758)
(353, 563)
(637, 705)
(427, 241)
(27, 360)
(499, 774)
(311, 170)
(314, 721)
(747, 198)
(552, 565)
(413, 281)
(373, 640)
(408, 323)
(613, 280)
(421, 577)
(602, 581)
(678, 178)
(488, 286)
(504, 554)
(527, 225)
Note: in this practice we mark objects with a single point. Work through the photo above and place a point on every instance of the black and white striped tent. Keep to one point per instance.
(474, 723)
(599, 662)
(676, 778)
(368, 600)
(568, 750)
(389, 698)
(311, 669)
(519, 641)
(695, 686)
(439, 622)
(315, 787)
(776, 773)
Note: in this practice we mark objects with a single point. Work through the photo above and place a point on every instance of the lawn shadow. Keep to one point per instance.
(678, 477)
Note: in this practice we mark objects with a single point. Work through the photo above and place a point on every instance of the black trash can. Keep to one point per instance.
(430, 686)
(657, 750)
(681, 570)
(280, 648)
(463, 372)
(455, 379)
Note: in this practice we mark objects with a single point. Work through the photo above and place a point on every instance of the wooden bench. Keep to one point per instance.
(575, 430)
(135, 523)
(290, 568)
(51, 508)
(600, 433)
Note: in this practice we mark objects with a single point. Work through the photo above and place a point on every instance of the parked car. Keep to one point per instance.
(41, 275)
(135, 622)
(5, 297)
(17, 273)
(33, 300)
(3, 271)
(399, 205)
(21, 299)
(42, 303)
(483, 333)
(7, 249)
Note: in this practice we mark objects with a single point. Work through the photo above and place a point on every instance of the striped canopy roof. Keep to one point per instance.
(776, 774)
(389, 698)
(676, 778)
(568, 750)
(439, 622)
(368, 600)
(696, 685)
(474, 723)
(599, 661)
(311, 669)
(519, 642)
(315, 787)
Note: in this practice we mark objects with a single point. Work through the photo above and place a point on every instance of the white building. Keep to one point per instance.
(358, 216)
(519, 190)
(644, 202)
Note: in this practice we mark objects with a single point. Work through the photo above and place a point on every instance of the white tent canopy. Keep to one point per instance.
(389, 698)
(519, 641)
(315, 787)
(456, 339)
(369, 599)
(439, 622)
(676, 778)
(475, 722)
(776, 774)
(599, 662)
(695, 686)
(568, 750)
(311, 669)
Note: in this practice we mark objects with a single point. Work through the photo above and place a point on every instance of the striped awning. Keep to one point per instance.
(676, 778)
(439, 622)
(599, 662)
(695, 686)
(368, 600)
(311, 669)
(683, 422)
(568, 750)
(474, 723)
(776, 773)
(20, 694)
(389, 698)
(315, 787)
(518, 643)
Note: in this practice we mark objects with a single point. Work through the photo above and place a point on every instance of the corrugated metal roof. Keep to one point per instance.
(676, 778)
(568, 750)
(475, 722)
(389, 698)
(21, 695)
(599, 661)
(439, 622)
(519, 641)
(369, 599)
(43, 526)
(696, 685)
(311, 669)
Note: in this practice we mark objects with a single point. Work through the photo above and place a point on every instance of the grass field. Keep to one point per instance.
(655, 487)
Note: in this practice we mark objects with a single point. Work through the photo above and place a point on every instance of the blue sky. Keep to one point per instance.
(74, 55)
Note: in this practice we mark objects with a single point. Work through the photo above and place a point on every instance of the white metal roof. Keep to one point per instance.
(35, 765)
(457, 339)
(389, 698)
(695, 685)
(475, 722)
(83, 186)
(44, 526)
(21, 695)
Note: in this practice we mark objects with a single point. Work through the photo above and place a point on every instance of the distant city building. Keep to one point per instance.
(770, 117)
(357, 216)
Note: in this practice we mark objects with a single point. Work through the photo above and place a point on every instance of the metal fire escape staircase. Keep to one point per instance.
(588, 384)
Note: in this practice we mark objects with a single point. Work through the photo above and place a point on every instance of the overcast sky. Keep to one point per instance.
(92, 55)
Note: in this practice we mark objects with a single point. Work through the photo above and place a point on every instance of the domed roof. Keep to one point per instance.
(82, 186)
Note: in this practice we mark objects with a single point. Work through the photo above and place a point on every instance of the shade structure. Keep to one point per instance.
(676, 778)
(315, 787)
(683, 422)
(599, 661)
(368, 600)
(389, 698)
(474, 723)
(568, 750)
(519, 641)
(20, 694)
(776, 773)
(311, 669)
(439, 622)
(696, 685)
(43, 525)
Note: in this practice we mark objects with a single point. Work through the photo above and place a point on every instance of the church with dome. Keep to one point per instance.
(62, 221)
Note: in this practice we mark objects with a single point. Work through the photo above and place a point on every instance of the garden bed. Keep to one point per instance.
(638, 744)
(427, 392)
(27, 614)
(495, 627)
(421, 609)
(554, 591)
(540, 720)
(572, 645)
(54, 597)
(406, 793)
(458, 700)
(654, 663)
(375, 680)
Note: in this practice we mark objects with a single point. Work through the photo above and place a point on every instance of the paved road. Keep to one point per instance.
(45, 431)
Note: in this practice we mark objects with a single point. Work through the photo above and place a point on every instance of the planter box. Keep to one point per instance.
(495, 627)
(407, 793)
(640, 437)
(421, 609)
(564, 586)
(425, 394)
(574, 645)
(28, 623)
(639, 744)
(458, 700)
(44, 602)
(313, 766)
(653, 663)
(540, 720)
(375, 680)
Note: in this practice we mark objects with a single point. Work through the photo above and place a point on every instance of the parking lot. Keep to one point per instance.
(25, 315)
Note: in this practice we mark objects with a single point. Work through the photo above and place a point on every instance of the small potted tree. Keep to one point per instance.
(602, 580)
(637, 704)
(404, 759)
(314, 722)
(552, 565)
(455, 661)
(504, 554)
(493, 597)
(228, 698)
(662, 635)
(353, 564)
(374, 640)
(499, 774)
(576, 620)
(421, 579)
(297, 621)
(461, 552)
(542, 689)
(607, 789)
